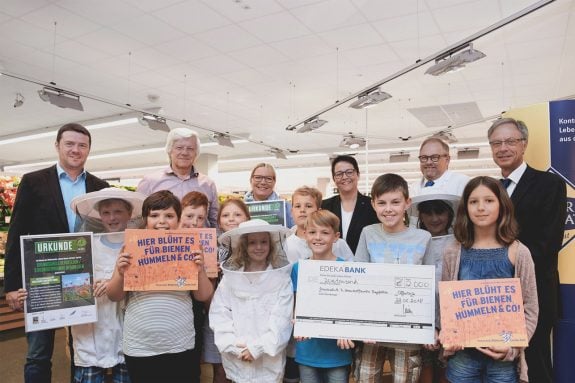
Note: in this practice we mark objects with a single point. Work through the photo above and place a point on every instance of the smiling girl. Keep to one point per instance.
(487, 248)
(252, 307)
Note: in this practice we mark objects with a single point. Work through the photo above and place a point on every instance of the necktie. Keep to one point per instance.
(505, 182)
(429, 183)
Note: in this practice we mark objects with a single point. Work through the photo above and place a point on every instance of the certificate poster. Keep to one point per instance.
(366, 301)
(273, 212)
(482, 313)
(164, 259)
(57, 272)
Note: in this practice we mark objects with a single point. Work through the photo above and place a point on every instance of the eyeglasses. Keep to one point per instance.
(181, 149)
(433, 158)
(348, 173)
(508, 142)
(267, 179)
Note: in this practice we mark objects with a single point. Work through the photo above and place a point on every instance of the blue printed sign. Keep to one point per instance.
(562, 137)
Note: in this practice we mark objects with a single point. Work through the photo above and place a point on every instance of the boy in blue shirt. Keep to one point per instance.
(322, 360)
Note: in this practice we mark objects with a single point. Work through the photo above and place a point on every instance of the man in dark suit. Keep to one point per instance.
(353, 209)
(42, 206)
(540, 201)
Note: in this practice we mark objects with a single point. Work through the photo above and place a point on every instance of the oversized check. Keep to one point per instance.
(366, 301)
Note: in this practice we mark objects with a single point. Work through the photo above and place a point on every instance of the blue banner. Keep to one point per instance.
(562, 139)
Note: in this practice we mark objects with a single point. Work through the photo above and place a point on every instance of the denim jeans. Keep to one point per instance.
(309, 374)
(472, 366)
(38, 367)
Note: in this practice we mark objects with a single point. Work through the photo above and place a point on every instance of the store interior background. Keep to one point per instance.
(251, 68)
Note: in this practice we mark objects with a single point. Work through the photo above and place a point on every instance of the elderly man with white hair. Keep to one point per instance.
(181, 177)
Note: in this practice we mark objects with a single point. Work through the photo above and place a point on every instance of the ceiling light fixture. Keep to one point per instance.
(399, 157)
(280, 155)
(19, 100)
(454, 62)
(90, 127)
(61, 98)
(154, 122)
(311, 124)
(467, 153)
(352, 142)
(222, 139)
(370, 99)
(445, 135)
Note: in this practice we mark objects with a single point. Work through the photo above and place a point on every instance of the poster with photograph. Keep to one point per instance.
(57, 272)
(482, 313)
(273, 212)
(164, 259)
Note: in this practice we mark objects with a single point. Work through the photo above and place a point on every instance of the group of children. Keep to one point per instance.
(251, 307)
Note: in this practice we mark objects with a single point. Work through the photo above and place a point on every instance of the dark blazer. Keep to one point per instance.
(363, 215)
(38, 209)
(540, 201)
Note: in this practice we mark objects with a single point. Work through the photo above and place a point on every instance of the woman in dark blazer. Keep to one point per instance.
(352, 208)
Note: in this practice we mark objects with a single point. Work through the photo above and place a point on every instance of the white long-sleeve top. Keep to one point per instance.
(255, 309)
(99, 344)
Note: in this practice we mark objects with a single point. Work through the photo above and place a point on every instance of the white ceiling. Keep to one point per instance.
(253, 67)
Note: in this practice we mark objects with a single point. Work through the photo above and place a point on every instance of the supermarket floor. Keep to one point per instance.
(13, 354)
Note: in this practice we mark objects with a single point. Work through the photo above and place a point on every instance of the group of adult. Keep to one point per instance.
(42, 206)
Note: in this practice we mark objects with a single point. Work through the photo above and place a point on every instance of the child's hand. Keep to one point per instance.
(452, 348)
(449, 349)
(100, 287)
(199, 259)
(499, 353)
(246, 356)
(301, 338)
(435, 346)
(123, 263)
(345, 344)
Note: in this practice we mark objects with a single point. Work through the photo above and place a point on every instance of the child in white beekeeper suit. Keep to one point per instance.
(252, 307)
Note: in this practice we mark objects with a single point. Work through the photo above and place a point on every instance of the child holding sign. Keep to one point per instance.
(487, 248)
(252, 308)
(391, 241)
(322, 360)
(98, 346)
(158, 328)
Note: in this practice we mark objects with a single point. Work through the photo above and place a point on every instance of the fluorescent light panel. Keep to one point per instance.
(53, 133)
(109, 155)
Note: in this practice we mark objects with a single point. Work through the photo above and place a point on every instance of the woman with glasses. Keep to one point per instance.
(350, 206)
(263, 182)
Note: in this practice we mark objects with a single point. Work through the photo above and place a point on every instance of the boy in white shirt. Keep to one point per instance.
(98, 346)
(306, 200)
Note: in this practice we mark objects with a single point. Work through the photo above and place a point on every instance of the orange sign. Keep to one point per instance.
(482, 313)
(164, 259)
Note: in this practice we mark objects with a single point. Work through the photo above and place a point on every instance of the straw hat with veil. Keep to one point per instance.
(87, 208)
(251, 311)
(235, 240)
